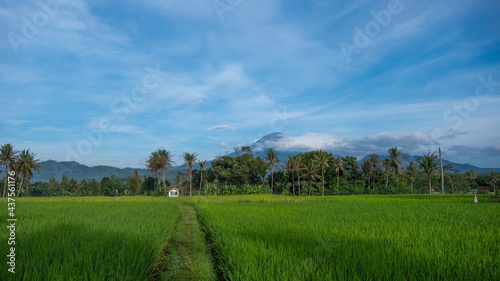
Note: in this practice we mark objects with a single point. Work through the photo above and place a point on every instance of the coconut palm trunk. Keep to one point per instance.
(164, 185)
(298, 181)
(20, 186)
(323, 179)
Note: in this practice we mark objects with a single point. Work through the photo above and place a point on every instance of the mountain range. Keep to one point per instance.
(54, 169)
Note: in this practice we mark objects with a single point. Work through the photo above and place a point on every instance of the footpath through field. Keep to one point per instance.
(188, 256)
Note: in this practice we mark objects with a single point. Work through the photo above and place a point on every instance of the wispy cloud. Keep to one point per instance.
(46, 129)
(268, 66)
(221, 128)
(12, 74)
(417, 142)
(16, 123)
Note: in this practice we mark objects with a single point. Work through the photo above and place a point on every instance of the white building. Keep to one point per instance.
(173, 192)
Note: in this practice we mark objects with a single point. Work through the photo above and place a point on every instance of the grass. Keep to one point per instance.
(88, 238)
(264, 237)
(189, 257)
(355, 238)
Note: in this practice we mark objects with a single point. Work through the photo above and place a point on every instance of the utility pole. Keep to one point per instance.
(442, 171)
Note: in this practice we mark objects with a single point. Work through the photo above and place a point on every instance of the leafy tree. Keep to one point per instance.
(321, 159)
(137, 175)
(427, 163)
(106, 186)
(239, 171)
(396, 157)
(246, 149)
(189, 160)
(133, 185)
(272, 160)
(148, 184)
(8, 157)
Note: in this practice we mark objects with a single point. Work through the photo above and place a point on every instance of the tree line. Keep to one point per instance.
(317, 173)
(312, 173)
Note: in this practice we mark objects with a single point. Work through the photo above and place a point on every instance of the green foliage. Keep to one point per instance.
(403, 237)
(89, 238)
(240, 170)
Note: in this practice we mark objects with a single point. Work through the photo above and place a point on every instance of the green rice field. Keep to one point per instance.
(357, 238)
(88, 238)
(262, 237)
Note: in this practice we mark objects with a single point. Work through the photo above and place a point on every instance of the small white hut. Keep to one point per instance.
(173, 192)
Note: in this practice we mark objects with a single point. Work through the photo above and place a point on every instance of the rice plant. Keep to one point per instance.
(356, 238)
(88, 238)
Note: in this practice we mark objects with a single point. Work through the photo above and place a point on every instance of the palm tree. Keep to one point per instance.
(298, 166)
(8, 157)
(153, 165)
(386, 163)
(290, 168)
(493, 179)
(321, 159)
(366, 168)
(25, 166)
(158, 163)
(412, 171)
(396, 157)
(375, 161)
(189, 160)
(311, 172)
(338, 165)
(355, 167)
(469, 176)
(202, 165)
(272, 160)
(427, 163)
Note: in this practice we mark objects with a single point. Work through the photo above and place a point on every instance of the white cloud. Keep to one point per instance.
(16, 123)
(375, 143)
(221, 128)
(46, 129)
(421, 136)
(127, 129)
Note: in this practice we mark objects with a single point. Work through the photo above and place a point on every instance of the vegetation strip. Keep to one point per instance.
(188, 257)
(404, 237)
(161, 263)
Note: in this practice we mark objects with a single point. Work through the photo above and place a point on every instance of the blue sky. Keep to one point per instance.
(108, 82)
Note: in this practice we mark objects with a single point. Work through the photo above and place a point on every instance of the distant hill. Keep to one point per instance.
(53, 169)
(458, 166)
